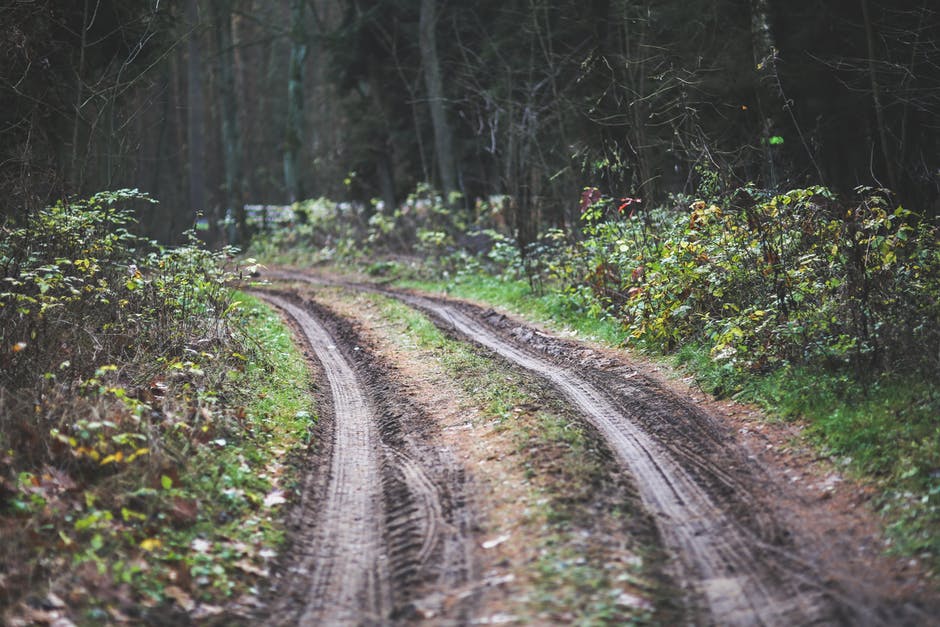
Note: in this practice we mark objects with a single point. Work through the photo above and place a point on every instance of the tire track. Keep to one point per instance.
(723, 562)
(390, 524)
(345, 565)
(715, 510)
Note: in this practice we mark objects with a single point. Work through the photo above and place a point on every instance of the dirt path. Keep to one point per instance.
(389, 524)
(719, 554)
(741, 561)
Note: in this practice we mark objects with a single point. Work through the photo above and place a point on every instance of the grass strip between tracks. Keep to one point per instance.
(575, 577)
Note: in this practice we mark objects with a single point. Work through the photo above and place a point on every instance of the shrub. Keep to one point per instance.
(798, 277)
(114, 354)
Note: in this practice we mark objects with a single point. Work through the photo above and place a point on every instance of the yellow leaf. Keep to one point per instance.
(151, 544)
(137, 453)
(116, 457)
(87, 452)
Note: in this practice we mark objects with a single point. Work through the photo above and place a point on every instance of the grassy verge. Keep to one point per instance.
(551, 307)
(885, 432)
(163, 496)
(242, 479)
(578, 578)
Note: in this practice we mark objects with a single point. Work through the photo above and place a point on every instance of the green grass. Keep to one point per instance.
(886, 432)
(556, 308)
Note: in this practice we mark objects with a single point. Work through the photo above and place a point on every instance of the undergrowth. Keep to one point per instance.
(142, 425)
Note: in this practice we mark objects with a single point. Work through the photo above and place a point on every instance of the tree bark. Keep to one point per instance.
(763, 45)
(876, 97)
(231, 133)
(443, 139)
(195, 114)
(295, 104)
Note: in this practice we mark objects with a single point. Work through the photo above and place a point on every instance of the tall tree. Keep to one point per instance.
(231, 132)
(443, 136)
(294, 140)
(195, 108)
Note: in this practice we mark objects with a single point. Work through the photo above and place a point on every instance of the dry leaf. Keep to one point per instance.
(251, 569)
(201, 546)
(489, 544)
(181, 597)
(274, 498)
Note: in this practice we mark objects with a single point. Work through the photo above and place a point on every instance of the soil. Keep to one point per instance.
(383, 520)
(757, 531)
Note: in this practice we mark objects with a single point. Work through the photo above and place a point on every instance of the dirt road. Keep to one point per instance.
(739, 558)
(378, 528)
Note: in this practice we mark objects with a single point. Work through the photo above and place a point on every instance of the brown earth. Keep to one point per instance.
(756, 530)
(383, 519)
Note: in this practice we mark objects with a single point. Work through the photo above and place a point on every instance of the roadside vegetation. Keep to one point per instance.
(814, 306)
(147, 416)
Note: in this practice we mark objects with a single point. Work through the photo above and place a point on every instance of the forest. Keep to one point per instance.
(203, 199)
(208, 106)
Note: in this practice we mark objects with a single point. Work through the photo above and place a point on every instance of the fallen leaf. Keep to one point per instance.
(207, 611)
(274, 498)
(53, 602)
(625, 599)
(184, 511)
(60, 478)
(181, 597)
(247, 567)
(151, 544)
(201, 546)
(489, 544)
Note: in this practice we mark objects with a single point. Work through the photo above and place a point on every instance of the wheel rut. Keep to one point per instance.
(718, 556)
(741, 565)
(737, 559)
(383, 519)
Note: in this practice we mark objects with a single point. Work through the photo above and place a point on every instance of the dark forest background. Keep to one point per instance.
(211, 104)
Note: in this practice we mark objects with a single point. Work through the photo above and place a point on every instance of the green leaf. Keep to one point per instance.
(166, 482)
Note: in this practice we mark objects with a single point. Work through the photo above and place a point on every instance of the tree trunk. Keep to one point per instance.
(294, 141)
(196, 114)
(76, 177)
(443, 140)
(763, 46)
(231, 133)
(876, 98)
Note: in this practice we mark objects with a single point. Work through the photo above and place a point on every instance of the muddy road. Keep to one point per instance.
(382, 517)
(391, 518)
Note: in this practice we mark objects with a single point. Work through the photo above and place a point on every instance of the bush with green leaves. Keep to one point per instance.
(800, 277)
(118, 367)
(79, 290)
